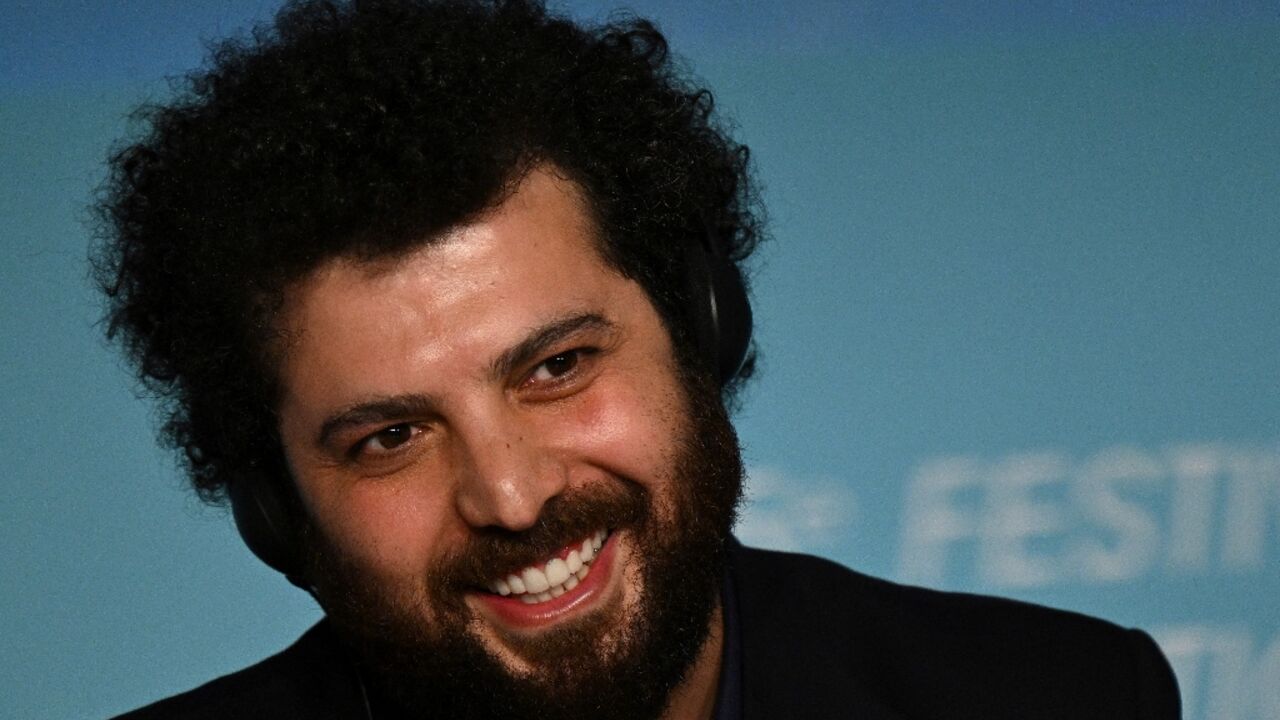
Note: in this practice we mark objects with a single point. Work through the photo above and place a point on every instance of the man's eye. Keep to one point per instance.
(556, 366)
(387, 439)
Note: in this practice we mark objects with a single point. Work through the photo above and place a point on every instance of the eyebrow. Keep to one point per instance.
(375, 411)
(395, 407)
(542, 338)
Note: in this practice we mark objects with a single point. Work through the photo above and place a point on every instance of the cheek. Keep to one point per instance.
(626, 430)
(392, 531)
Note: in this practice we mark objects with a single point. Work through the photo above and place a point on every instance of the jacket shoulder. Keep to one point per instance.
(310, 678)
(912, 652)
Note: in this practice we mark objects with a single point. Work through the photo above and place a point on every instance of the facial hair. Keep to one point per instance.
(419, 654)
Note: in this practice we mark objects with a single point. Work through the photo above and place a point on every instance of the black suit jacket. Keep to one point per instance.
(817, 641)
(821, 641)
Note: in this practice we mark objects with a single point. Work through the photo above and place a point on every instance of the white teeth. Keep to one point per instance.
(557, 572)
(535, 581)
(559, 575)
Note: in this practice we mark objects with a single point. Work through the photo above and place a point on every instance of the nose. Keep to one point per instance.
(506, 476)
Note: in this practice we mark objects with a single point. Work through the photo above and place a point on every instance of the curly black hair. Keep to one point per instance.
(359, 129)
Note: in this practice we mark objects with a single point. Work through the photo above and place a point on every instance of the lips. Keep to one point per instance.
(541, 583)
(524, 610)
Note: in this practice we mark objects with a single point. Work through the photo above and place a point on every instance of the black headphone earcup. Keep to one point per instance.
(721, 311)
(264, 524)
(731, 313)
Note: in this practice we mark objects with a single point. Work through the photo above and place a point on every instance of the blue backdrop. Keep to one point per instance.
(1020, 328)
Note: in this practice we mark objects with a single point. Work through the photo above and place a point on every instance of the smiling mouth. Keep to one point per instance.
(540, 583)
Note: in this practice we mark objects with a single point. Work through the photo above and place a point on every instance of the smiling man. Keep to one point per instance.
(516, 481)
(444, 298)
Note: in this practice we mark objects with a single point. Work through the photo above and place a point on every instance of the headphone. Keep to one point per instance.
(721, 318)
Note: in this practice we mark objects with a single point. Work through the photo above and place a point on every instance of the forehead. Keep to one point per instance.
(472, 290)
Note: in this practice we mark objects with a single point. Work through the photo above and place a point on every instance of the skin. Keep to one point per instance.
(458, 389)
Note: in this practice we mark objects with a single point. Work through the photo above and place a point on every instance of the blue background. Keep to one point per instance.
(1020, 328)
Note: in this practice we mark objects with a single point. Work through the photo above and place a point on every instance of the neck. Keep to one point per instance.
(695, 697)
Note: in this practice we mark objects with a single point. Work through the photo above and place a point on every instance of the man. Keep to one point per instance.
(444, 297)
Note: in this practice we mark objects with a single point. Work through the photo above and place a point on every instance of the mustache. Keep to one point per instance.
(496, 552)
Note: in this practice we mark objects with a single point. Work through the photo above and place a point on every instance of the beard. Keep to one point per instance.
(418, 649)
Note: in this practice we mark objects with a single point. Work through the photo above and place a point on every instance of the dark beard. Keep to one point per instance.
(443, 669)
